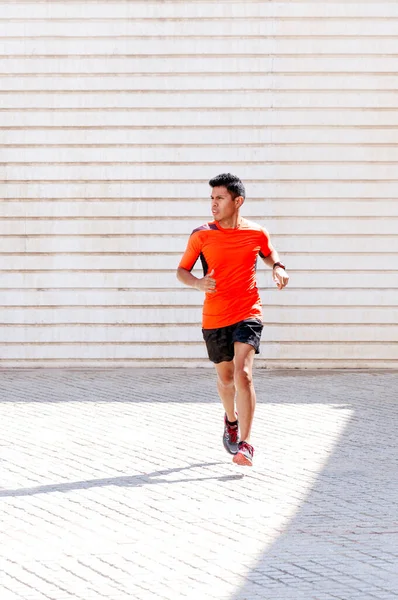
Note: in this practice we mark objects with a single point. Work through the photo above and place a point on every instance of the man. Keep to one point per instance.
(232, 318)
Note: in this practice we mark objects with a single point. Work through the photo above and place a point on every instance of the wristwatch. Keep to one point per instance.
(279, 264)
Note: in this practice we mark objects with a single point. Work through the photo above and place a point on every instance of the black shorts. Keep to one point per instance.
(220, 341)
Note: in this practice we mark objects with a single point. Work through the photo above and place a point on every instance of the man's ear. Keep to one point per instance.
(239, 201)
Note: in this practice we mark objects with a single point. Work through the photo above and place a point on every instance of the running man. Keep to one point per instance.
(228, 248)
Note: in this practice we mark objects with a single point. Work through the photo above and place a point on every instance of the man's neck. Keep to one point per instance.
(232, 223)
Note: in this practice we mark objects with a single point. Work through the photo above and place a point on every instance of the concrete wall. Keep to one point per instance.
(113, 117)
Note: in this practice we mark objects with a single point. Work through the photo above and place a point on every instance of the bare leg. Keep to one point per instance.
(226, 387)
(246, 396)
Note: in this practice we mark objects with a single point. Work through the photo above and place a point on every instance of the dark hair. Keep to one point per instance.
(231, 182)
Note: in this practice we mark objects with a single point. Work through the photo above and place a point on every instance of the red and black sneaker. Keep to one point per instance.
(230, 437)
(244, 456)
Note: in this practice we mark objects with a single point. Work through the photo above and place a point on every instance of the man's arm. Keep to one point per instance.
(205, 284)
(188, 261)
(271, 259)
(279, 274)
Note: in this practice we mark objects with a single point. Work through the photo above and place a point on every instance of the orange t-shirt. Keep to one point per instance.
(232, 253)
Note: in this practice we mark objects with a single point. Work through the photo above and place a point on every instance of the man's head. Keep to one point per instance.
(232, 183)
(228, 195)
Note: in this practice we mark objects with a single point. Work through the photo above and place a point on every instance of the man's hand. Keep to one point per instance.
(207, 283)
(280, 277)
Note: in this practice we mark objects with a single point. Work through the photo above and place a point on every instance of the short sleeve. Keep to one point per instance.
(192, 252)
(265, 244)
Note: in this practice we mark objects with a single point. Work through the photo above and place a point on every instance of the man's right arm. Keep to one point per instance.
(191, 255)
(205, 284)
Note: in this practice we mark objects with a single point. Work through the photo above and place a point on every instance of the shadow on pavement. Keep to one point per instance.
(125, 481)
(342, 543)
(105, 386)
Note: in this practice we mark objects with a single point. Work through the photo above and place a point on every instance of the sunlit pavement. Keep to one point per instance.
(115, 485)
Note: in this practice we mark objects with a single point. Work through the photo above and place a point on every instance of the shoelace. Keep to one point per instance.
(233, 433)
(246, 446)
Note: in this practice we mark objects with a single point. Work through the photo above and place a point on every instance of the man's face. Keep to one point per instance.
(223, 205)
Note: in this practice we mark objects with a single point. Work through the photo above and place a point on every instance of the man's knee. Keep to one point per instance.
(226, 380)
(243, 377)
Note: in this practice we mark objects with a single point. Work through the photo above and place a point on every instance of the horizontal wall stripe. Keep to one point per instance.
(290, 317)
(375, 117)
(165, 264)
(285, 150)
(195, 64)
(345, 226)
(298, 351)
(67, 335)
(237, 100)
(289, 245)
(245, 136)
(361, 306)
(169, 208)
(195, 9)
(282, 365)
(182, 189)
(156, 280)
(71, 83)
(205, 27)
(209, 155)
(204, 46)
(205, 19)
(151, 172)
(187, 92)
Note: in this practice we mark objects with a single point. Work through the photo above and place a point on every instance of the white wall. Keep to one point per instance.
(114, 116)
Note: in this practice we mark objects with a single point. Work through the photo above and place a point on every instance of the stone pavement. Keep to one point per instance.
(115, 485)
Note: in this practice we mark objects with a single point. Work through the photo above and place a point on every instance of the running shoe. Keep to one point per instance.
(244, 456)
(230, 437)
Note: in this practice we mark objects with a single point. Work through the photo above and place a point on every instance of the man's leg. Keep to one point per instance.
(226, 387)
(226, 390)
(246, 396)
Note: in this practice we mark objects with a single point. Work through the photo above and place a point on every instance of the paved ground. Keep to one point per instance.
(115, 485)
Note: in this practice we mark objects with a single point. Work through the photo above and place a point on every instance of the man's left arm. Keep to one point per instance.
(279, 273)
